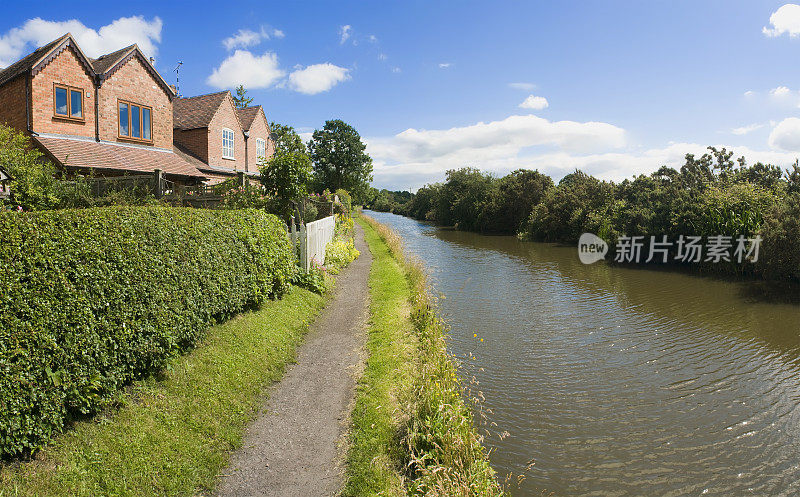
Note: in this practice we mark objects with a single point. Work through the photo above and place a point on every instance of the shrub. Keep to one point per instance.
(91, 299)
(339, 253)
(34, 186)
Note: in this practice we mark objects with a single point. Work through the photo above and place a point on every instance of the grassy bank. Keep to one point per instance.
(412, 433)
(173, 434)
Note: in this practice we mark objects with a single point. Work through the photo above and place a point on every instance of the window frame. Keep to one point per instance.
(264, 148)
(232, 155)
(129, 136)
(68, 116)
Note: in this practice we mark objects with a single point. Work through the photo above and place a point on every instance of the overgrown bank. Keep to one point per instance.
(412, 432)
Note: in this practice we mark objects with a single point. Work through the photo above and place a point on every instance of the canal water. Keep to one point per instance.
(617, 381)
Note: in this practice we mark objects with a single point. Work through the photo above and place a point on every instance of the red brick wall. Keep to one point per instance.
(134, 83)
(68, 70)
(225, 118)
(193, 140)
(12, 103)
(259, 129)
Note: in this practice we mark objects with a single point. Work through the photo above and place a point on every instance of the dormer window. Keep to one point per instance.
(261, 149)
(135, 122)
(68, 102)
(228, 144)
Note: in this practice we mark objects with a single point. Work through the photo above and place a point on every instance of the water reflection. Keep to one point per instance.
(620, 381)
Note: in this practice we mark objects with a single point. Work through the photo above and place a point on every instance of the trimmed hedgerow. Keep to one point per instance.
(92, 299)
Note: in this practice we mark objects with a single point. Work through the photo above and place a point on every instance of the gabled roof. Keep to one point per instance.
(106, 65)
(105, 62)
(248, 115)
(198, 112)
(102, 67)
(37, 59)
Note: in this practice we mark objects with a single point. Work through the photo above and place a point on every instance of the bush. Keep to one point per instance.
(92, 299)
(339, 253)
(34, 186)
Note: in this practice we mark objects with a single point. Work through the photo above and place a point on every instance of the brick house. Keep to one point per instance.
(111, 115)
(219, 139)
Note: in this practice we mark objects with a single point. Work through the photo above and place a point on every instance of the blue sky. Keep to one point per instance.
(628, 86)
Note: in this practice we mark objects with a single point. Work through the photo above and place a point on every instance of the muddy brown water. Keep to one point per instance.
(618, 381)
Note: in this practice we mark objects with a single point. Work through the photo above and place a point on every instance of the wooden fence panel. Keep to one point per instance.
(317, 236)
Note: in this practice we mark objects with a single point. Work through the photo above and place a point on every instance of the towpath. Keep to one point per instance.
(294, 446)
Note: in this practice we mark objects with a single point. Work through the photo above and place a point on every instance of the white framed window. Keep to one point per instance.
(261, 148)
(228, 144)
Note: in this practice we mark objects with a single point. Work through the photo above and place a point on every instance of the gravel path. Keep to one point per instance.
(293, 447)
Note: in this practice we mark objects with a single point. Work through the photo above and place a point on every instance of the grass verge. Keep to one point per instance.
(412, 432)
(174, 433)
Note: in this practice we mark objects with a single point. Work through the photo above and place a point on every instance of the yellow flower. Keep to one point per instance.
(481, 339)
(475, 335)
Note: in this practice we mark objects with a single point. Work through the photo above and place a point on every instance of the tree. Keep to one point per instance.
(34, 186)
(287, 139)
(241, 100)
(286, 175)
(340, 159)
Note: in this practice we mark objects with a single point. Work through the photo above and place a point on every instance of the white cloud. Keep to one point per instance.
(535, 103)
(492, 146)
(786, 135)
(120, 33)
(749, 93)
(247, 38)
(444, 65)
(317, 78)
(743, 130)
(522, 86)
(784, 20)
(396, 70)
(344, 33)
(373, 39)
(244, 68)
(242, 39)
(780, 92)
(382, 56)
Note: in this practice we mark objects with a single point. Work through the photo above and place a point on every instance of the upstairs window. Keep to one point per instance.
(135, 122)
(228, 144)
(261, 149)
(68, 102)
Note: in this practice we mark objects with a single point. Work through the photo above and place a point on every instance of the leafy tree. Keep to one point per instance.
(340, 159)
(34, 186)
(286, 175)
(517, 194)
(287, 139)
(241, 100)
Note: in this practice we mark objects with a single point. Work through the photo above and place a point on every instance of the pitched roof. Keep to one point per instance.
(83, 153)
(248, 115)
(105, 62)
(102, 67)
(197, 112)
(41, 56)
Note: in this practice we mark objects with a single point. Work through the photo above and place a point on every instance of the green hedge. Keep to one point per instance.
(92, 299)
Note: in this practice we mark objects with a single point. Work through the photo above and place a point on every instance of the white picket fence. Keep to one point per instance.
(313, 239)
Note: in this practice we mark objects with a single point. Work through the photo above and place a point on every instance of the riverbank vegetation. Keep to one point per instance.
(412, 432)
(709, 195)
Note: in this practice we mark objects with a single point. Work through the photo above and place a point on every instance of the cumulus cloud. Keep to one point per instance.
(780, 92)
(535, 103)
(743, 130)
(344, 33)
(785, 20)
(522, 86)
(317, 78)
(247, 38)
(444, 65)
(424, 155)
(244, 68)
(786, 135)
(120, 33)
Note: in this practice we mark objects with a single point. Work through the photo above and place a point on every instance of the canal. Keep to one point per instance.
(615, 381)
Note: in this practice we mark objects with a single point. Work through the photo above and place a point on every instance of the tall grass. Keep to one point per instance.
(442, 451)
